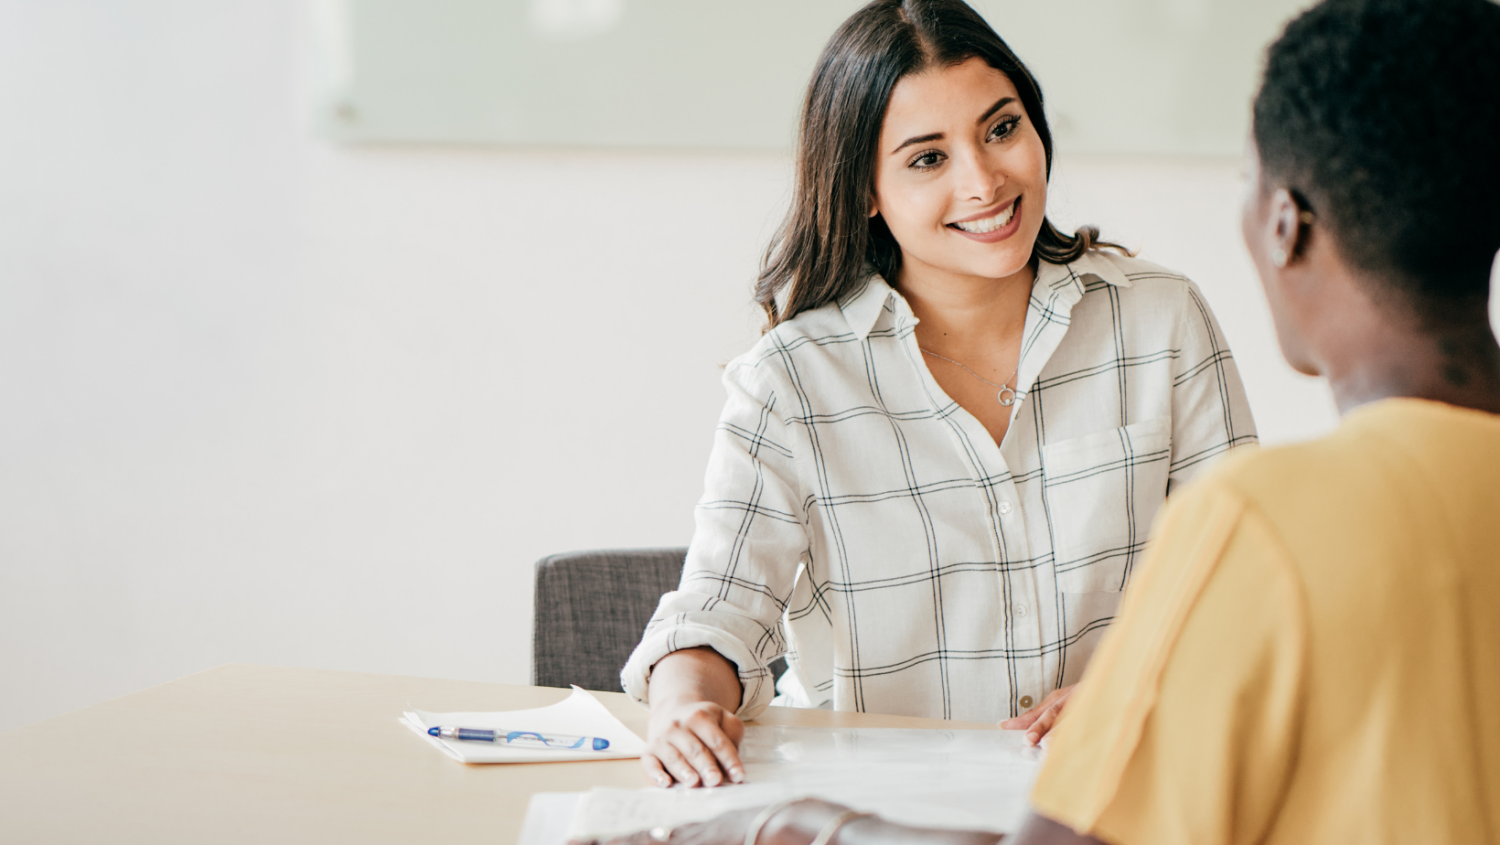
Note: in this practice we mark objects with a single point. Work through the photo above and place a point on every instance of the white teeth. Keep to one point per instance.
(989, 224)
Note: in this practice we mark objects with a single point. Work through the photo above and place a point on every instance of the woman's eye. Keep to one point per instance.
(927, 160)
(1004, 127)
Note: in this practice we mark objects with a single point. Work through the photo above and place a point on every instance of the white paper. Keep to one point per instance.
(974, 780)
(580, 714)
(548, 816)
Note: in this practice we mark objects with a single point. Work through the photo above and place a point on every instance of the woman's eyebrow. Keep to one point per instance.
(920, 139)
(999, 104)
(938, 136)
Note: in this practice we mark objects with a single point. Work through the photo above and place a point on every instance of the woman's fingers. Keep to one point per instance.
(700, 740)
(676, 762)
(655, 770)
(722, 739)
(1047, 720)
(696, 744)
(1042, 725)
(1023, 721)
(706, 740)
(1029, 718)
(703, 761)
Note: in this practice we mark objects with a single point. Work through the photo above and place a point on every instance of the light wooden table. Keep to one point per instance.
(247, 753)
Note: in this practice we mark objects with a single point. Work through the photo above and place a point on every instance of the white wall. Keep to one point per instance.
(262, 399)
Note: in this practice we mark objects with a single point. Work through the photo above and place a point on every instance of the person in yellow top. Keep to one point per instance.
(1311, 652)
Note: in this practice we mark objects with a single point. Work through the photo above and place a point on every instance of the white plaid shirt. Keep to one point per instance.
(859, 520)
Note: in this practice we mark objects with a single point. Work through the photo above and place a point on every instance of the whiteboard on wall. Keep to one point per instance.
(1167, 77)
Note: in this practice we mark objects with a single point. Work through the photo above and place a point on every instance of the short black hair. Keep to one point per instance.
(1383, 116)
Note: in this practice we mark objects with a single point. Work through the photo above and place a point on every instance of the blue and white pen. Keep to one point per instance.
(523, 739)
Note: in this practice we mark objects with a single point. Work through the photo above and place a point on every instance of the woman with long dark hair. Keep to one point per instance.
(937, 469)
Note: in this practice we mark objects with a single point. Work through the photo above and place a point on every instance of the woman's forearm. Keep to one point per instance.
(693, 735)
(694, 674)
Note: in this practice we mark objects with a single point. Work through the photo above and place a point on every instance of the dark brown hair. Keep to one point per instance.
(1413, 200)
(827, 239)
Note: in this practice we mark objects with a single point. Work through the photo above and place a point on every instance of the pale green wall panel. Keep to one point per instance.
(1120, 76)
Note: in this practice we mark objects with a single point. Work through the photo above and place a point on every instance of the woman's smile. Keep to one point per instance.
(988, 226)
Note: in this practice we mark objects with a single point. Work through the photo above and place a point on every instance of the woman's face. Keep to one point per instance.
(961, 178)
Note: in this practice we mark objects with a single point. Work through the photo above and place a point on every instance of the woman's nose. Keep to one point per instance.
(978, 176)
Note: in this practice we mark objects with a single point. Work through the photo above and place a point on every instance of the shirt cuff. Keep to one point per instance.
(759, 687)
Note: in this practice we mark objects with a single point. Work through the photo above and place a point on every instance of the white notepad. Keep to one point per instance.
(977, 780)
(580, 714)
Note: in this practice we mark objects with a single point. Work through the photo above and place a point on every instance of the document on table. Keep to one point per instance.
(580, 714)
(976, 780)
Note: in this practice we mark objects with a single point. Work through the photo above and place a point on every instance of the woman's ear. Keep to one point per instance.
(874, 206)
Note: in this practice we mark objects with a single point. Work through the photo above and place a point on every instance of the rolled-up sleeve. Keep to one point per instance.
(1210, 412)
(750, 536)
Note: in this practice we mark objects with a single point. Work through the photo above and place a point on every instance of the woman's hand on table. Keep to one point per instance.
(694, 743)
(693, 736)
(1041, 719)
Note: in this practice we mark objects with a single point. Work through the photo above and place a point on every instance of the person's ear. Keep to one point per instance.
(1289, 237)
(874, 206)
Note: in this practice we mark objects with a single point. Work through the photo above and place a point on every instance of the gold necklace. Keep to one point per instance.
(1006, 396)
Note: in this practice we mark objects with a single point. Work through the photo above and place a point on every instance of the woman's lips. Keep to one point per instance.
(1005, 230)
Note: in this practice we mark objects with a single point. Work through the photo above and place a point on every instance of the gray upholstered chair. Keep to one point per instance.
(591, 609)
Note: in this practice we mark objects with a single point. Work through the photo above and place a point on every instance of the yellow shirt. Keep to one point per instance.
(1311, 653)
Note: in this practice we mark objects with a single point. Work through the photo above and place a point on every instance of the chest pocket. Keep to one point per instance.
(1103, 490)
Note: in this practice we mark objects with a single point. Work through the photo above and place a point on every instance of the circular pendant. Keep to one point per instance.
(1006, 396)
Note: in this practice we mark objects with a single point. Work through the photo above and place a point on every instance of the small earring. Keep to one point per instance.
(1307, 218)
(1278, 257)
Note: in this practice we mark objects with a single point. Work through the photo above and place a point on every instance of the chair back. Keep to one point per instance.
(591, 609)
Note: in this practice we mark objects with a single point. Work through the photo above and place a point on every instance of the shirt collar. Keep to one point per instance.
(1098, 265)
(862, 306)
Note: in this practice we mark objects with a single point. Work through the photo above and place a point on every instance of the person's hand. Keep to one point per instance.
(1041, 719)
(694, 743)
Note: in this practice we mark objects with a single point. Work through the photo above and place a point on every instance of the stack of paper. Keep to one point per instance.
(975, 780)
(580, 714)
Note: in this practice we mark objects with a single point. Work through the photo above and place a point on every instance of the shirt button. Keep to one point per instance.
(1019, 610)
(1026, 701)
(1004, 508)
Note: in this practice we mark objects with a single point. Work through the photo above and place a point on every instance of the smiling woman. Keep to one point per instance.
(843, 142)
(937, 470)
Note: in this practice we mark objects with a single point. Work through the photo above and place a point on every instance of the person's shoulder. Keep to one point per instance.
(1366, 456)
(1135, 280)
(1312, 492)
(1145, 294)
(1268, 475)
(806, 332)
(1138, 270)
(829, 327)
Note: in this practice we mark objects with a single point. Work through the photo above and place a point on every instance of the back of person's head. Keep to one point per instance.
(1382, 117)
(828, 237)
